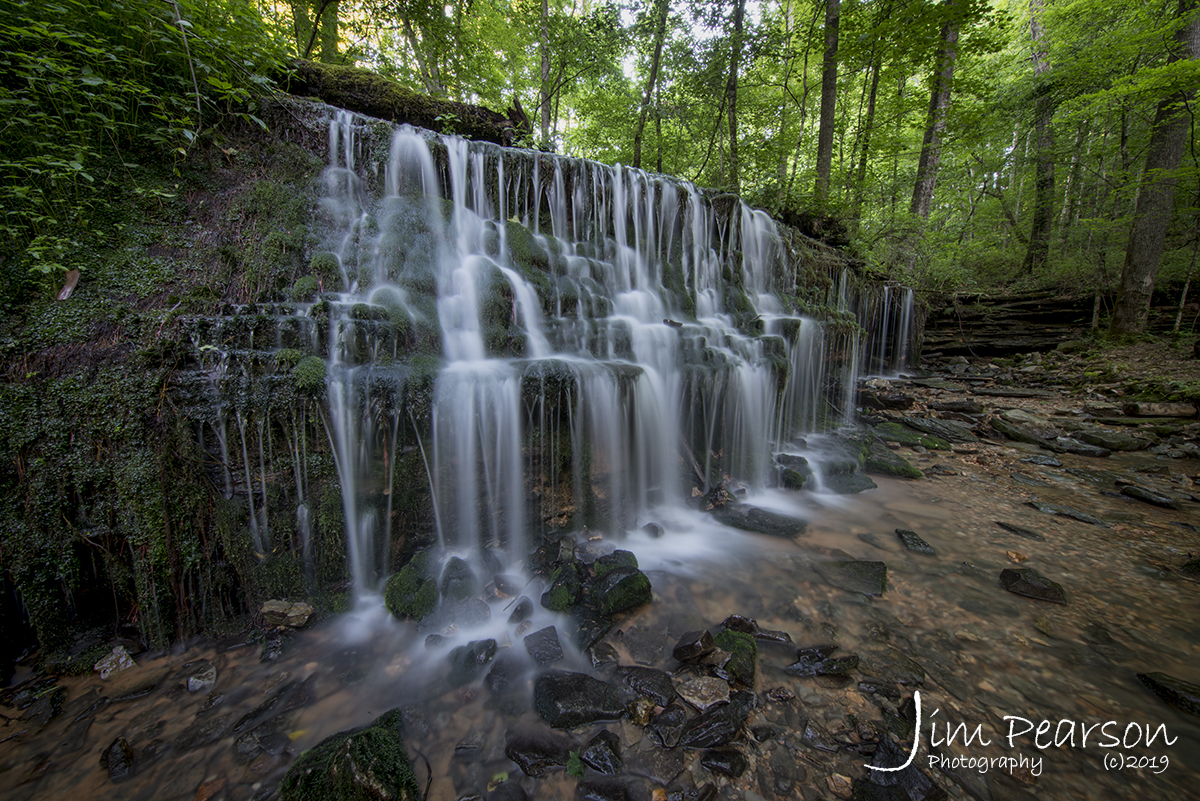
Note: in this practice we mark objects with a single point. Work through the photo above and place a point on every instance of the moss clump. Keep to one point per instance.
(288, 358)
(606, 564)
(411, 593)
(565, 589)
(743, 660)
(305, 287)
(895, 432)
(362, 765)
(309, 375)
(624, 588)
(792, 479)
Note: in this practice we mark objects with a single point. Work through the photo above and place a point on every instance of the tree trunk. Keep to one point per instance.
(803, 102)
(544, 47)
(939, 105)
(660, 32)
(735, 58)
(329, 31)
(860, 179)
(833, 11)
(1156, 197)
(1043, 184)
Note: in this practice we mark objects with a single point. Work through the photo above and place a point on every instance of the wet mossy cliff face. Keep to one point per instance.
(167, 462)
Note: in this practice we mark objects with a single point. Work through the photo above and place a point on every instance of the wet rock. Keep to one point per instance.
(873, 686)
(273, 645)
(603, 754)
(205, 731)
(118, 760)
(566, 587)
(587, 627)
(363, 763)
(521, 612)
(868, 578)
(543, 646)
(884, 462)
(892, 666)
(719, 725)
(942, 429)
(914, 543)
(507, 791)
(666, 727)
(911, 782)
(621, 589)
(1029, 481)
(1176, 692)
(645, 643)
(1071, 445)
(1019, 531)
(617, 559)
(201, 676)
(693, 645)
(818, 662)
(1113, 440)
(939, 383)
(848, 483)
(750, 626)
(458, 581)
(116, 661)
(45, 706)
(742, 666)
(1032, 584)
(609, 788)
(704, 692)
(1045, 461)
(286, 613)
(941, 470)
(759, 521)
(817, 736)
(960, 406)
(537, 750)
(726, 761)
(565, 700)
(1066, 511)
(653, 529)
(410, 593)
(602, 654)
(506, 586)
(895, 432)
(467, 660)
(648, 683)
(506, 673)
(266, 709)
(1147, 495)
(1042, 436)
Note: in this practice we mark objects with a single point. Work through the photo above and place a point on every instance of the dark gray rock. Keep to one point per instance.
(1176, 692)
(1147, 495)
(1113, 440)
(565, 589)
(719, 725)
(666, 727)
(521, 611)
(565, 700)
(759, 521)
(912, 784)
(726, 761)
(506, 673)
(693, 645)
(1066, 511)
(118, 760)
(587, 626)
(748, 625)
(1029, 481)
(543, 646)
(892, 666)
(869, 578)
(200, 676)
(960, 406)
(537, 750)
(648, 683)
(1032, 584)
(1045, 461)
(943, 429)
(466, 661)
(914, 543)
(1070, 445)
(603, 754)
(829, 666)
(621, 589)
(848, 483)
(458, 581)
(1019, 531)
(941, 470)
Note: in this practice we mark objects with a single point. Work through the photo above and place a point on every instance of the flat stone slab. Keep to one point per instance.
(869, 578)
(759, 521)
(914, 543)
(1014, 392)
(1032, 584)
(1176, 692)
(1067, 511)
(1019, 531)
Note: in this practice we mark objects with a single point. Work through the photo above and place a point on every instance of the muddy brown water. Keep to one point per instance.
(992, 659)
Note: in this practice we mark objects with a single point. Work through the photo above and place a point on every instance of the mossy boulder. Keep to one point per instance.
(606, 564)
(411, 593)
(365, 764)
(742, 666)
(884, 462)
(458, 580)
(895, 432)
(566, 586)
(621, 589)
(305, 288)
(309, 375)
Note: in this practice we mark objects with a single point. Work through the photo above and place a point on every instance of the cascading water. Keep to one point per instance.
(596, 342)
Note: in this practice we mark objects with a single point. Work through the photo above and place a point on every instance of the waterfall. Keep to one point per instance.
(554, 342)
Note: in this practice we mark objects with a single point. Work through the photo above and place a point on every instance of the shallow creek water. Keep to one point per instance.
(986, 653)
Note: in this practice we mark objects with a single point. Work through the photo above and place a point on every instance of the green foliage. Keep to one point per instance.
(309, 375)
(411, 593)
(361, 765)
(93, 89)
(575, 766)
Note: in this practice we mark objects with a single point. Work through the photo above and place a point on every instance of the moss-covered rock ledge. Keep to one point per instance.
(365, 92)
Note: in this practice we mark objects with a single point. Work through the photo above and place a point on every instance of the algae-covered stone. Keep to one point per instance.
(365, 764)
(616, 559)
(565, 588)
(884, 462)
(742, 666)
(895, 432)
(458, 580)
(309, 375)
(620, 590)
(411, 593)
(466, 661)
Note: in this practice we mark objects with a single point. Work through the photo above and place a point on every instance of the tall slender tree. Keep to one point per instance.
(939, 107)
(833, 15)
(1043, 184)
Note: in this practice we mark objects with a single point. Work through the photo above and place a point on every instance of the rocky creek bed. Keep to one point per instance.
(1038, 572)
